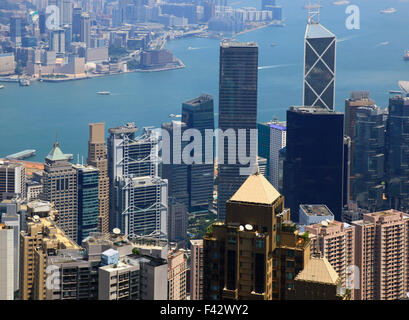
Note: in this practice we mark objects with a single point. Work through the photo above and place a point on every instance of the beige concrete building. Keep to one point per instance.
(120, 281)
(43, 237)
(336, 242)
(177, 267)
(7, 63)
(60, 188)
(382, 242)
(196, 269)
(97, 157)
(12, 180)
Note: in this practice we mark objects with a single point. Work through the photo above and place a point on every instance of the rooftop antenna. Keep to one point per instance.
(82, 160)
(313, 13)
(78, 158)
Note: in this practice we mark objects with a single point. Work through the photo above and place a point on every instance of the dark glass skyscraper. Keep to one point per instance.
(369, 157)
(198, 114)
(237, 110)
(319, 67)
(313, 167)
(88, 204)
(397, 153)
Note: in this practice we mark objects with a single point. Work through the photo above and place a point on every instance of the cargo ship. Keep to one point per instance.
(21, 155)
(406, 55)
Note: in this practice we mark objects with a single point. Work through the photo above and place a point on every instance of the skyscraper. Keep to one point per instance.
(175, 171)
(12, 180)
(313, 166)
(76, 24)
(16, 29)
(319, 66)
(271, 139)
(85, 31)
(139, 197)
(397, 153)
(368, 183)
(97, 157)
(237, 110)
(196, 269)
(88, 206)
(60, 188)
(6, 262)
(257, 251)
(198, 114)
(57, 40)
(382, 255)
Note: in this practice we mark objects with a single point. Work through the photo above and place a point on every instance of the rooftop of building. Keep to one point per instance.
(256, 189)
(318, 270)
(51, 232)
(199, 100)
(127, 128)
(317, 30)
(123, 264)
(86, 168)
(56, 153)
(236, 44)
(313, 110)
(196, 242)
(9, 164)
(316, 210)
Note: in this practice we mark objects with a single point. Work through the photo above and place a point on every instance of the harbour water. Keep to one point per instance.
(31, 117)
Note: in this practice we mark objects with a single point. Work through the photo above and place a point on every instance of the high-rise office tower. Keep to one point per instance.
(198, 114)
(335, 241)
(369, 158)
(237, 110)
(357, 99)
(60, 188)
(57, 40)
(397, 153)
(139, 196)
(97, 157)
(66, 15)
(177, 221)
(177, 266)
(16, 29)
(382, 255)
(6, 262)
(257, 252)
(271, 139)
(319, 65)
(175, 170)
(85, 31)
(12, 180)
(76, 24)
(314, 161)
(196, 269)
(88, 205)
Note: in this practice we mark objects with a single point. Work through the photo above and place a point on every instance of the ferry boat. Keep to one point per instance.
(104, 93)
(389, 10)
(341, 3)
(406, 55)
(24, 82)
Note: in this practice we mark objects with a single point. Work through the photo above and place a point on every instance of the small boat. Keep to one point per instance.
(1, 86)
(24, 82)
(384, 43)
(341, 3)
(406, 55)
(389, 10)
(273, 44)
(104, 93)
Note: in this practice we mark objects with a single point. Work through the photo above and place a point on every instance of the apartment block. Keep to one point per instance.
(177, 267)
(196, 269)
(12, 180)
(382, 255)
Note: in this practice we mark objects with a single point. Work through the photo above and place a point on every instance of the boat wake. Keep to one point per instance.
(274, 66)
(346, 38)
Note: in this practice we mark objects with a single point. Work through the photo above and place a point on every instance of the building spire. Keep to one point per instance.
(313, 13)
